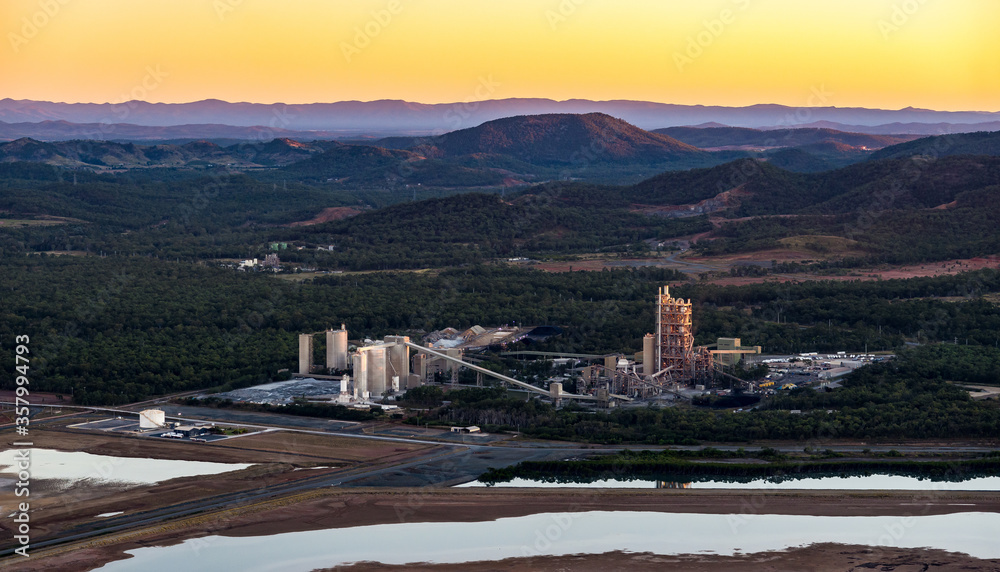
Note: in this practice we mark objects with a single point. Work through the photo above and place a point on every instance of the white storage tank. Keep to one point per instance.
(376, 366)
(336, 349)
(152, 419)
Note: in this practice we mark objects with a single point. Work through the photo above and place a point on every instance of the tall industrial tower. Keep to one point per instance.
(675, 351)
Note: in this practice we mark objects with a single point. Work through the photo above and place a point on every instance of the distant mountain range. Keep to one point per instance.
(515, 146)
(510, 151)
(402, 117)
(65, 131)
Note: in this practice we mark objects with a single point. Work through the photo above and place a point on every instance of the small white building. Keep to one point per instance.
(469, 429)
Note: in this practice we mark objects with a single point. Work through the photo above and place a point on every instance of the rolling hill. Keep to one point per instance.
(981, 143)
(101, 155)
(707, 138)
(566, 139)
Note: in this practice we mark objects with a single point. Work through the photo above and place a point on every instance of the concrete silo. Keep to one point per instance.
(336, 349)
(649, 355)
(375, 357)
(399, 358)
(361, 390)
(305, 353)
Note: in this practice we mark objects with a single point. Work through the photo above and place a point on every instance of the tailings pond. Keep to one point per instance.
(596, 532)
(72, 468)
(852, 483)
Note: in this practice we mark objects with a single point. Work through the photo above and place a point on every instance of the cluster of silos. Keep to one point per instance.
(336, 351)
(382, 368)
(378, 369)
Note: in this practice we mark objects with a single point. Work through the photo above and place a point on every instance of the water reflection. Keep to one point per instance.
(854, 482)
(70, 467)
(565, 533)
(672, 485)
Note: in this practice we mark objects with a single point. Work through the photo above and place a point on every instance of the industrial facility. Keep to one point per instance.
(669, 360)
(668, 364)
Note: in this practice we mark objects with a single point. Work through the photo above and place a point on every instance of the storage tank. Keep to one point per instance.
(360, 374)
(152, 419)
(399, 357)
(336, 348)
(305, 353)
(610, 362)
(649, 355)
(376, 366)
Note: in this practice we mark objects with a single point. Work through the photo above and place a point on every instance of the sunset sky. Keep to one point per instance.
(871, 53)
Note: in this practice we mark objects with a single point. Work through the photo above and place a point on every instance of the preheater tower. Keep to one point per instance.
(675, 349)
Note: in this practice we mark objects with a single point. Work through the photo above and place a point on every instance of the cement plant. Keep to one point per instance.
(368, 371)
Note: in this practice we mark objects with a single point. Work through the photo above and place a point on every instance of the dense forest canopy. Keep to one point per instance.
(143, 308)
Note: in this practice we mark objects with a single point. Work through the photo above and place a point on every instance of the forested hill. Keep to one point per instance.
(104, 155)
(895, 184)
(981, 143)
(566, 139)
(708, 137)
(472, 227)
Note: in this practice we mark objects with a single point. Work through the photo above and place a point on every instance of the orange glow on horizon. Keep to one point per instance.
(885, 54)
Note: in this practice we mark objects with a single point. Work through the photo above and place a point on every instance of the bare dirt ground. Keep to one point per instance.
(327, 215)
(322, 446)
(37, 398)
(928, 269)
(279, 457)
(271, 447)
(40, 220)
(724, 263)
(340, 508)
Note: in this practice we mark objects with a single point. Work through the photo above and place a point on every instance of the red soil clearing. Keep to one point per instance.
(327, 215)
